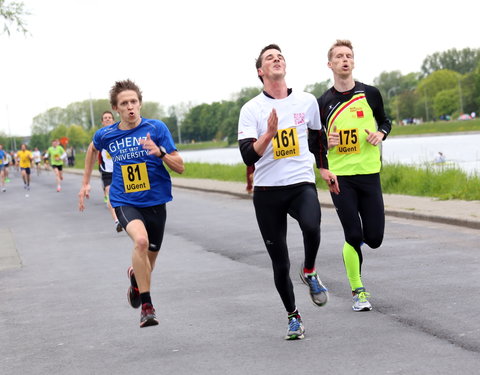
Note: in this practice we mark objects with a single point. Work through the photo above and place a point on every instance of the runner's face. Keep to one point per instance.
(107, 119)
(128, 106)
(273, 65)
(342, 62)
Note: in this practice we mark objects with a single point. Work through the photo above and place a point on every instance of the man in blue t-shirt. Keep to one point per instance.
(141, 185)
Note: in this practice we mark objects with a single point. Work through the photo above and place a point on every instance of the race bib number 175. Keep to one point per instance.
(349, 142)
(135, 177)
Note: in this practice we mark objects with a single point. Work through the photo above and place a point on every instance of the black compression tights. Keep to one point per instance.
(271, 208)
(360, 209)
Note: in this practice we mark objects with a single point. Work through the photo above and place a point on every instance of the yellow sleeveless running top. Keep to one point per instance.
(354, 155)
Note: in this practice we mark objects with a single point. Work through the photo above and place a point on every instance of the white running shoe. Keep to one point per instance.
(360, 300)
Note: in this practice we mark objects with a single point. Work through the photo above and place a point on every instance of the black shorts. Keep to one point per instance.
(106, 179)
(27, 170)
(152, 217)
(59, 167)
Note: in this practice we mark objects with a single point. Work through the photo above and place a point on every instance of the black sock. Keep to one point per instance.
(145, 297)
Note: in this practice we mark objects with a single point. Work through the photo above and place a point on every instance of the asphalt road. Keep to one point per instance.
(64, 310)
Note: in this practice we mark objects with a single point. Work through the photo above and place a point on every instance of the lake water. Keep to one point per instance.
(461, 150)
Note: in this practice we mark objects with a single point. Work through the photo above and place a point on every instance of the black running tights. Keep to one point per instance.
(271, 208)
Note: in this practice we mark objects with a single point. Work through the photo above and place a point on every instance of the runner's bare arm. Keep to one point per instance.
(90, 158)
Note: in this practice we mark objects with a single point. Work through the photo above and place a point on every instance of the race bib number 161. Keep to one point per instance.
(135, 177)
(285, 143)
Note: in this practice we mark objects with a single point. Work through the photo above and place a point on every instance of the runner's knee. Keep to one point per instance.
(374, 242)
(141, 244)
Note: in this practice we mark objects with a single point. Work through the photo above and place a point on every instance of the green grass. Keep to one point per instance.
(219, 172)
(201, 145)
(436, 127)
(430, 181)
(79, 160)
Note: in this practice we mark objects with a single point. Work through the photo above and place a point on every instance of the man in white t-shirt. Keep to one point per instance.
(37, 158)
(277, 131)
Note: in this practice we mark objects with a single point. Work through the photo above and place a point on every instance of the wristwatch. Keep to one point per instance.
(163, 152)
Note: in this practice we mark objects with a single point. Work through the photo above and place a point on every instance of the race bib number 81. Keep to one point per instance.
(285, 143)
(135, 177)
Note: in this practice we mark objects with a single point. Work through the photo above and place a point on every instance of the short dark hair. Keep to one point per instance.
(258, 62)
(103, 114)
(123, 86)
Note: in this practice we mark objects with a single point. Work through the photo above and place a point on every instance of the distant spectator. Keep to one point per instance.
(71, 156)
(440, 158)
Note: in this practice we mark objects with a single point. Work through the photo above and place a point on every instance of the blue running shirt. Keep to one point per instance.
(139, 179)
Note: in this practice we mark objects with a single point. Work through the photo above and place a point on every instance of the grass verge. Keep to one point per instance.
(430, 181)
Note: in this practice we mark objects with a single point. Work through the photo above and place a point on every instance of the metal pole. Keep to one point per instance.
(460, 96)
(13, 141)
(92, 121)
(426, 104)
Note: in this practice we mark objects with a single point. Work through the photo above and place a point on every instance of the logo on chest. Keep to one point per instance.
(299, 118)
(357, 112)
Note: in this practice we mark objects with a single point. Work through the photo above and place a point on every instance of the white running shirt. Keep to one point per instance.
(37, 156)
(107, 162)
(287, 159)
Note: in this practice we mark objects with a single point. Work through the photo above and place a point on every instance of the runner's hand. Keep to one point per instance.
(84, 193)
(149, 144)
(272, 123)
(333, 138)
(374, 138)
(331, 180)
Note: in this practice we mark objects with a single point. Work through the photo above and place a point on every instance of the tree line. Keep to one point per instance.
(448, 84)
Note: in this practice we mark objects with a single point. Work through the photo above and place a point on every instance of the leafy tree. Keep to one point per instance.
(77, 136)
(403, 105)
(446, 102)
(387, 82)
(42, 141)
(80, 113)
(461, 61)
(44, 123)
(245, 94)
(10, 143)
(318, 88)
(152, 110)
(468, 88)
(172, 125)
(475, 79)
(12, 14)
(59, 132)
(436, 82)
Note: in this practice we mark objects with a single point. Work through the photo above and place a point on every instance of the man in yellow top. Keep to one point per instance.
(353, 117)
(57, 154)
(24, 159)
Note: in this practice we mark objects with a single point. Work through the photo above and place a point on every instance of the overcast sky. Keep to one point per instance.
(181, 51)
